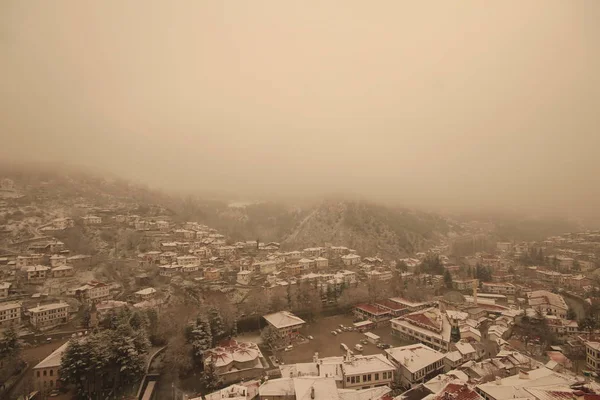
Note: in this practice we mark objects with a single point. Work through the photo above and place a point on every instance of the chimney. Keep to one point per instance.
(475, 284)
(312, 392)
(498, 381)
(523, 374)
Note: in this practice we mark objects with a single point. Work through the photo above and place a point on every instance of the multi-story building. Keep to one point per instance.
(92, 220)
(29, 260)
(4, 288)
(62, 271)
(57, 260)
(37, 272)
(10, 314)
(188, 260)
(363, 372)
(592, 356)
(93, 292)
(499, 288)
(49, 315)
(416, 363)
(285, 324)
(351, 259)
(548, 302)
(46, 373)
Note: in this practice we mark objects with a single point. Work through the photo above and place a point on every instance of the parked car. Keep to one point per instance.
(358, 347)
(339, 330)
(310, 337)
(288, 348)
(334, 333)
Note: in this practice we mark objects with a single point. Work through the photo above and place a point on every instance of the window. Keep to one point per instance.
(353, 380)
(51, 372)
(364, 378)
(45, 372)
(38, 374)
(377, 376)
(348, 380)
(369, 377)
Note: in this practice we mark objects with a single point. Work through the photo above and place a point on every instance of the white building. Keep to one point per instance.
(351, 259)
(499, 288)
(548, 302)
(285, 324)
(10, 314)
(146, 293)
(49, 315)
(416, 363)
(4, 288)
(91, 220)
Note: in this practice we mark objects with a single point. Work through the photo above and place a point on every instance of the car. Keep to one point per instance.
(342, 326)
(310, 337)
(364, 341)
(334, 333)
(288, 348)
(339, 330)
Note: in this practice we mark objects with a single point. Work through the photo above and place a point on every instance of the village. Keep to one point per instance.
(325, 322)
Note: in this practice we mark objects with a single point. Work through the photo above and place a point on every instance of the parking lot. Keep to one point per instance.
(328, 345)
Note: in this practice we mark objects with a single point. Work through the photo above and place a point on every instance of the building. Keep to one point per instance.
(507, 289)
(57, 260)
(226, 251)
(373, 312)
(464, 284)
(168, 270)
(37, 272)
(242, 391)
(380, 275)
(236, 361)
(285, 324)
(93, 292)
(91, 220)
(321, 262)
(49, 315)
(106, 306)
(416, 363)
(411, 306)
(592, 356)
(145, 294)
(212, 274)
(244, 277)
(188, 260)
(364, 372)
(46, 373)
(63, 223)
(29, 260)
(10, 314)
(62, 271)
(79, 260)
(351, 259)
(4, 288)
(547, 302)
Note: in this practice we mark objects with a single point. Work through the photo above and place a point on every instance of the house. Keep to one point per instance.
(313, 252)
(62, 271)
(430, 326)
(10, 314)
(190, 268)
(145, 294)
(244, 277)
(37, 272)
(49, 315)
(285, 324)
(4, 288)
(464, 284)
(416, 363)
(80, 260)
(524, 383)
(411, 306)
(380, 275)
(167, 257)
(29, 260)
(57, 260)
(188, 260)
(351, 259)
(91, 220)
(294, 269)
(592, 356)
(301, 388)
(562, 327)
(226, 251)
(321, 262)
(162, 225)
(242, 391)
(548, 302)
(106, 306)
(93, 292)
(168, 270)
(364, 372)
(236, 361)
(63, 223)
(306, 263)
(212, 274)
(499, 288)
(46, 373)
(395, 309)
(373, 312)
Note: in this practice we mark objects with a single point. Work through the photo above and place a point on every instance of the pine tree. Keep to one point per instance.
(448, 279)
(200, 337)
(217, 327)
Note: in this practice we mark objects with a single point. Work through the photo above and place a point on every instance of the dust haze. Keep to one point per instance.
(457, 105)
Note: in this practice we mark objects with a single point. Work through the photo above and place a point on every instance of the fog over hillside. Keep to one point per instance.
(472, 107)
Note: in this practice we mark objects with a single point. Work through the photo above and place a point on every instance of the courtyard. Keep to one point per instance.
(328, 345)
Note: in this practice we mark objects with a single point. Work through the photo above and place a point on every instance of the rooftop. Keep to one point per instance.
(364, 364)
(283, 319)
(53, 360)
(48, 307)
(415, 357)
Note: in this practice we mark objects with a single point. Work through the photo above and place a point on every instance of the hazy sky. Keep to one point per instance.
(469, 103)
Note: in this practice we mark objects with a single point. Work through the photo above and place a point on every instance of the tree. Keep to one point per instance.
(10, 354)
(576, 266)
(217, 327)
(200, 337)
(571, 314)
(401, 266)
(269, 337)
(210, 378)
(448, 279)
(511, 270)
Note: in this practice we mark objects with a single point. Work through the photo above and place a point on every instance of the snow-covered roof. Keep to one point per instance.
(53, 360)
(415, 357)
(146, 291)
(48, 307)
(283, 319)
(367, 364)
(9, 306)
